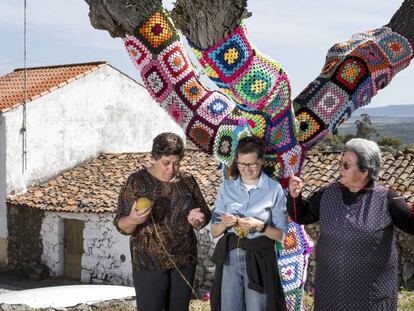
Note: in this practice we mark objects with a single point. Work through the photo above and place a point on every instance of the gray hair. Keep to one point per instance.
(368, 154)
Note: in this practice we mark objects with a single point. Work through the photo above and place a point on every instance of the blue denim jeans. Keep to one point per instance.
(235, 295)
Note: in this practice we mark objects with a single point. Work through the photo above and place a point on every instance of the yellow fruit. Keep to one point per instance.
(143, 203)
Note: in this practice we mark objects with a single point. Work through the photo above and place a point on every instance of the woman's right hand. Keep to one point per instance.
(228, 219)
(138, 217)
(295, 185)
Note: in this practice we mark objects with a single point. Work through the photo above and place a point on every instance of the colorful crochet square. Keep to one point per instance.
(202, 134)
(231, 56)
(138, 53)
(281, 103)
(257, 84)
(381, 79)
(231, 129)
(291, 272)
(330, 66)
(295, 242)
(342, 116)
(350, 73)
(256, 121)
(373, 35)
(181, 114)
(156, 32)
(225, 143)
(215, 108)
(291, 159)
(294, 300)
(279, 135)
(191, 92)
(272, 167)
(398, 50)
(363, 94)
(344, 48)
(175, 62)
(156, 81)
(372, 55)
(310, 126)
(328, 101)
(309, 92)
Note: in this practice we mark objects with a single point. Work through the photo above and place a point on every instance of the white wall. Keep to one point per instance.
(104, 111)
(103, 248)
(3, 210)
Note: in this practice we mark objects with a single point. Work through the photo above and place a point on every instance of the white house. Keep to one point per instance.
(72, 113)
(67, 222)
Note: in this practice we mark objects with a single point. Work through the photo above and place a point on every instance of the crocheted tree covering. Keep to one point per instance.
(260, 104)
(353, 73)
(156, 51)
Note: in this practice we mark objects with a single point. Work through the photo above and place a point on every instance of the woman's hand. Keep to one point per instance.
(138, 217)
(196, 218)
(249, 223)
(228, 220)
(295, 185)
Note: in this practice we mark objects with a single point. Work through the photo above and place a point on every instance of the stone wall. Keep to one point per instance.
(25, 246)
(106, 257)
(205, 269)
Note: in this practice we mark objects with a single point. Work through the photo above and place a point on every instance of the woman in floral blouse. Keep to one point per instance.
(163, 243)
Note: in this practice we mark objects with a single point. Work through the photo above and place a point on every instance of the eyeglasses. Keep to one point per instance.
(346, 166)
(249, 165)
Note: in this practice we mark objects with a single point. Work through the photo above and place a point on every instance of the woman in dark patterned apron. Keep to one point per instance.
(159, 207)
(356, 253)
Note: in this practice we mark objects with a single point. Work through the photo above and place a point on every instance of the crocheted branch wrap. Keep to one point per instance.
(353, 73)
(261, 104)
(261, 89)
(156, 51)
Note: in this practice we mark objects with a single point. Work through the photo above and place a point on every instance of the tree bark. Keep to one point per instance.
(403, 21)
(204, 22)
(207, 22)
(119, 17)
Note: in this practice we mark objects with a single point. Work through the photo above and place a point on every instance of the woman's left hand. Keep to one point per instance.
(250, 223)
(196, 218)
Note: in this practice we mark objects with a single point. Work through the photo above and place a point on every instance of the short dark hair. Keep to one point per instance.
(166, 144)
(245, 145)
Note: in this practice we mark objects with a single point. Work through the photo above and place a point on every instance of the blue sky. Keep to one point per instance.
(296, 33)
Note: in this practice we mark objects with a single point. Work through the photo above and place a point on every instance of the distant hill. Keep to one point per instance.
(397, 111)
(401, 127)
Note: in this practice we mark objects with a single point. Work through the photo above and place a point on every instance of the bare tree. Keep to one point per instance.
(120, 17)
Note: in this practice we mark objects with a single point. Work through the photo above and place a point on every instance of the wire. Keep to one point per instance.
(170, 258)
(24, 125)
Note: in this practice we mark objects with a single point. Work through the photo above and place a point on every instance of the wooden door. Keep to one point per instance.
(73, 247)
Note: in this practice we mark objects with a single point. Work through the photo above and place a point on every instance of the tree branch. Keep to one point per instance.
(403, 21)
(119, 17)
(204, 22)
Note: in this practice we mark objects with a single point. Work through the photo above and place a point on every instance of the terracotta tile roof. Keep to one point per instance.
(41, 81)
(94, 186)
(397, 172)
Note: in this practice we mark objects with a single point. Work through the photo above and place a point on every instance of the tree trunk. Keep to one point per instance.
(119, 17)
(204, 22)
(207, 22)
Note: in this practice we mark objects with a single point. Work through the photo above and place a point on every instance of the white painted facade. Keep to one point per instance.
(106, 256)
(103, 112)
